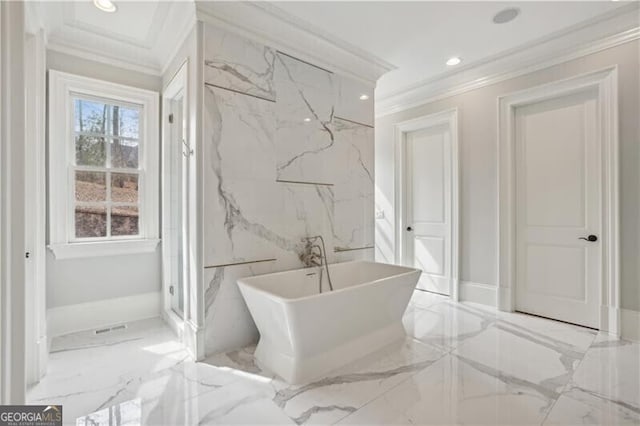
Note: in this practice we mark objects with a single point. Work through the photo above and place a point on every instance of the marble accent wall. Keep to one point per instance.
(288, 153)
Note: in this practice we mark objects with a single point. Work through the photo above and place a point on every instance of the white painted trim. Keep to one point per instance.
(185, 25)
(88, 316)
(61, 86)
(178, 86)
(12, 204)
(103, 248)
(194, 340)
(174, 322)
(605, 81)
(602, 33)
(268, 24)
(35, 184)
(630, 325)
(116, 61)
(196, 201)
(450, 118)
(172, 20)
(485, 294)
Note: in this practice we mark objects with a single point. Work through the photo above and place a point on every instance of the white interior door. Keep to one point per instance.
(428, 218)
(558, 176)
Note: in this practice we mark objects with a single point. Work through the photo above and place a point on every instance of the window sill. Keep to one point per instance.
(103, 248)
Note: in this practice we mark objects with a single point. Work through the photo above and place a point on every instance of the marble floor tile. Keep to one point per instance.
(578, 407)
(550, 331)
(542, 365)
(460, 364)
(425, 299)
(446, 325)
(349, 388)
(610, 371)
(453, 391)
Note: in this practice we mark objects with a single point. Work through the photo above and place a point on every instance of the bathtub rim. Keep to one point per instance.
(241, 282)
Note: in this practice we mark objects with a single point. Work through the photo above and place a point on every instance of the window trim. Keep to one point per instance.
(63, 87)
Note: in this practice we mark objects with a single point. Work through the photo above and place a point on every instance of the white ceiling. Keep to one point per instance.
(418, 37)
(140, 34)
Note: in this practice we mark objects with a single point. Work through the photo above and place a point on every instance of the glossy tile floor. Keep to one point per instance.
(460, 364)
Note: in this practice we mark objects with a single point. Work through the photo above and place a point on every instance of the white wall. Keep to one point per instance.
(75, 281)
(478, 166)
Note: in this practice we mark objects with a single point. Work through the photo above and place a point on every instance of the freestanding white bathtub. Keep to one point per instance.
(304, 334)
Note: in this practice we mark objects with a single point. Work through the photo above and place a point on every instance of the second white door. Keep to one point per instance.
(428, 206)
(558, 224)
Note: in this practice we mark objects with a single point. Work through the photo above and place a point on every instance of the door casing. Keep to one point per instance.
(605, 82)
(450, 118)
(171, 141)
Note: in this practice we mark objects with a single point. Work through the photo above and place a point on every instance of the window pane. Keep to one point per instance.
(124, 153)
(90, 116)
(124, 188)
(124, 221)
(126, 122)
(91, 221)
(91, 186)
(90, 151)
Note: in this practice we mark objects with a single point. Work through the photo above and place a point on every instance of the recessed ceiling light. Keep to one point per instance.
(307, 120)
(364, 97)
(506, 15)
(105, 5)
(454, 61)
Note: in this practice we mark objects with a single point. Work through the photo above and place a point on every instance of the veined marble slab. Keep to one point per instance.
(228, 323)
(241, 196)
(353, 190)
(308, 211)
(305, 137)
(271, 135)
(349, 105)
(238, 64)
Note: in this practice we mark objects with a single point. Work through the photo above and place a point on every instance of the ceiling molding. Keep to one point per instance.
(175, 30)
(269, 24)
(171, 24)
(150, 67)
(607, 31)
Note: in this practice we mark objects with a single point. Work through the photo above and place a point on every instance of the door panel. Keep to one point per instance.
(558, 201)
(428, 206)
(429, 254)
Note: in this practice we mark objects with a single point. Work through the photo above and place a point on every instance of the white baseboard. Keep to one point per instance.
(485, 294)
(630, 324)
(88, 316)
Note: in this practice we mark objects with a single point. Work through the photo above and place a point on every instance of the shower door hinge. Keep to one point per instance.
(170, 118)
(171, 290)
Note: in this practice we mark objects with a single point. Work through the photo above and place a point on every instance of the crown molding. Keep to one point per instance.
(172, 24)
(269, 24)
(605, 32)
(117, 60)
(182, 22)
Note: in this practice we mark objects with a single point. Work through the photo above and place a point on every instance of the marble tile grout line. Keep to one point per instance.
(564, 388)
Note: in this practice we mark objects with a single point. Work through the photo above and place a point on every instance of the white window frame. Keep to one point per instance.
(63, 88)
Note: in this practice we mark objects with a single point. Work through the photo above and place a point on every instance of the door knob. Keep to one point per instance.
(409, 228)
(590, 238)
